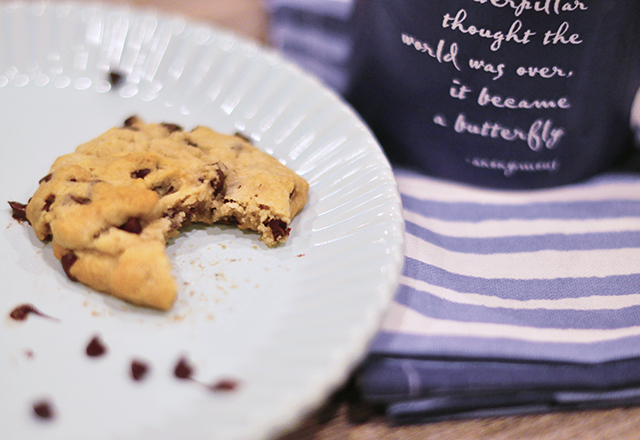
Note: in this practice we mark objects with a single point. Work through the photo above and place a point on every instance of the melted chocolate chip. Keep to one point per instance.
(224, 385)
(132, 225)
(183, 370)
(45, 179)
(48, 202)
(192, 144)
(140, 174)
(164, 188)
(139, 370)
(218, 184)
(115, 78)
(80, 200)
(171, 127)
(67, 261)
(278, 228)
(95, 348)
(22, 312)
(43, 409)
(130, 121)
(18, 211)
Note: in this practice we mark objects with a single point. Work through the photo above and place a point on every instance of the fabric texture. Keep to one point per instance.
(510, 302)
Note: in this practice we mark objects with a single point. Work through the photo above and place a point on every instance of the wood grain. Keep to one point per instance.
(622, 423)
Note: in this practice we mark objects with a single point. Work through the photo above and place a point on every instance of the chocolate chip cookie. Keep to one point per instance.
(110, 207)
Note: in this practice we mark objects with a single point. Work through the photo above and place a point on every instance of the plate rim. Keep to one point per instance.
(384, 297)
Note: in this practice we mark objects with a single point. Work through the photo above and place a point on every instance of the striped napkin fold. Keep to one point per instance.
(524, 275)
(315, 35)
(510, 301)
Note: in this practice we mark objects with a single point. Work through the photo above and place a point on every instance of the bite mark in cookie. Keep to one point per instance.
(110, 207)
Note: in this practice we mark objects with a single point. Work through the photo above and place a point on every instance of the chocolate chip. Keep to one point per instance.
(218, 183)
(67, 261)
(171, 127)
(48, 202)
(80, 200)
(45, 178)
(18, 211)
(192, 144)
(22, 312)
(130, 121)
(43, 409)
(95, 348)
(140, 174)
(139, 370)
(183, 370)
(115, 78)
(132, 225)
(278, 228)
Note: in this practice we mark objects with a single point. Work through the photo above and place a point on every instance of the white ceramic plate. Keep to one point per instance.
(285, 324)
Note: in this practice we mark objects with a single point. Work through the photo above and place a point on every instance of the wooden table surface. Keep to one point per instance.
(339, 418)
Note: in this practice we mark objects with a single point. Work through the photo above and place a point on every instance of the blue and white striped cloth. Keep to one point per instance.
(510, 301)
(540, 275)
(314, 34)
